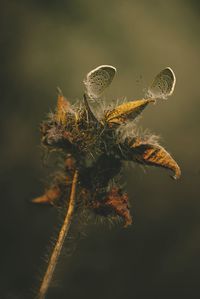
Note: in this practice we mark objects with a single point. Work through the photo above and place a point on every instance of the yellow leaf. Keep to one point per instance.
(123, 112)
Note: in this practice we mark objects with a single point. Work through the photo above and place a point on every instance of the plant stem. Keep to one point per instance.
(61, 238)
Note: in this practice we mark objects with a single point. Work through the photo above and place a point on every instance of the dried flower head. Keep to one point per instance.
(96, 145)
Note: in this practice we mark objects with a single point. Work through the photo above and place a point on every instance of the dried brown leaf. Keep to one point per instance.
(155, 155)
(115, 202)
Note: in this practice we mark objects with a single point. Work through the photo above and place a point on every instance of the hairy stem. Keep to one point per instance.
(61, 238)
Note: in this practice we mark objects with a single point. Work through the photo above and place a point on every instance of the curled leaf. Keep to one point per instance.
(153, 154)
(126, 111)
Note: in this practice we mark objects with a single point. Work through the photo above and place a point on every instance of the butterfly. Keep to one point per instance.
(98, 80)
(163, 84)
(101, 77)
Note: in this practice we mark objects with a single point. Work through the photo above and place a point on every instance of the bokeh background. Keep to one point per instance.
(45, 44)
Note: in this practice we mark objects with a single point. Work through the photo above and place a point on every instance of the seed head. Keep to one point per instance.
(97, 143)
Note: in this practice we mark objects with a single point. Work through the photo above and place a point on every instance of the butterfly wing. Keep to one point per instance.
(98, 80)
(163, 84)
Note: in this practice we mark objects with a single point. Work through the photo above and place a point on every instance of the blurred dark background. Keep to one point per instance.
(44, 44)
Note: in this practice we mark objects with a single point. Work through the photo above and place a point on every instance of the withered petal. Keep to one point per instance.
(155, 155)
(49, 196)
(125, 111)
